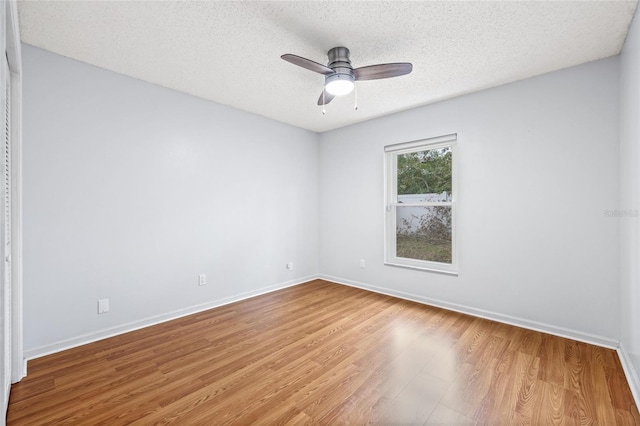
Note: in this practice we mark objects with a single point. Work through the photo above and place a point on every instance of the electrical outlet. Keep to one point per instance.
(202, 279)
(362, 263)
(103, 306)
(289, 266)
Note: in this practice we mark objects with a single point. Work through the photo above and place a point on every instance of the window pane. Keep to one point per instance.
(424, 233)
(424, 176)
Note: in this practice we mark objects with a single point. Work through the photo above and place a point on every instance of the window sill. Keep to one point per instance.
(422, 268)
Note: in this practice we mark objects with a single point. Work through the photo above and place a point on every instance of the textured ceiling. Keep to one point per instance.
(229, 52)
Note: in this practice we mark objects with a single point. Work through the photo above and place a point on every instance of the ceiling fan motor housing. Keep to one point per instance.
(340, 63)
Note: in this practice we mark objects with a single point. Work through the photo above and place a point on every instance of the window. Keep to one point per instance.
(420, 212)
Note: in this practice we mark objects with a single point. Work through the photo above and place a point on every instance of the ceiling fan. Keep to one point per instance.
(340, 76)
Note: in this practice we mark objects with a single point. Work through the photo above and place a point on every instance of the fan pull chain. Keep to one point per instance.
(324, 111)
(355, 91)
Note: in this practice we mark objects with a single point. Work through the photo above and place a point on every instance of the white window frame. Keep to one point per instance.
(391, 203)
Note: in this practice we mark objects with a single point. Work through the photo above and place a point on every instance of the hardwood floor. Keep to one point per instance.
(322, 353)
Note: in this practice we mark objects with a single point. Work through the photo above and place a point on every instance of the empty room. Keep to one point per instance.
(320, 212)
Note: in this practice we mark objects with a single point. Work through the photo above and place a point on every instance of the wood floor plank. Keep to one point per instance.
(442, 415)
(415, 403)
(548, 408)
(323, 353)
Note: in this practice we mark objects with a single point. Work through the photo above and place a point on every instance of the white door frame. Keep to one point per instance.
(11, 41)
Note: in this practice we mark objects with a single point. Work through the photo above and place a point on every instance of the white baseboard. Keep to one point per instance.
(630, 372)
(136, 325)
(506, 319)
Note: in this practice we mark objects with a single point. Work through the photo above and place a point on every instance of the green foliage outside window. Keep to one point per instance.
(425, 172)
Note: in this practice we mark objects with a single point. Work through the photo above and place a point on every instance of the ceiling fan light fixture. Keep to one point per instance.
(339, 84)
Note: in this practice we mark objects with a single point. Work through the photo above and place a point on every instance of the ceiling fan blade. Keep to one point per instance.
(376, 72)
(325, 98)
(307, 63)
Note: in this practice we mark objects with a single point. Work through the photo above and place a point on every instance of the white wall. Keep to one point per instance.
(538, 167)
(630, 201)
(132, 190)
